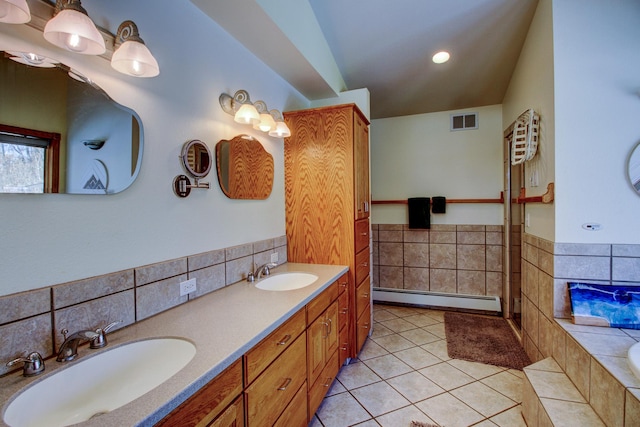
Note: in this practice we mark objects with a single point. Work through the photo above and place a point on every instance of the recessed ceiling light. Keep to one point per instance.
(441, 57)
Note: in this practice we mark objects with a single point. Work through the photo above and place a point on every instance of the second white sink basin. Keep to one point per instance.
(99, 384)
(286, 281)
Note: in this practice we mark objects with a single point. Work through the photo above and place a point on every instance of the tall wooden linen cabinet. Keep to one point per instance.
(327, 197)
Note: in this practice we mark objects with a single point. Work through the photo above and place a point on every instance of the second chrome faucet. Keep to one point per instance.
(69, 348)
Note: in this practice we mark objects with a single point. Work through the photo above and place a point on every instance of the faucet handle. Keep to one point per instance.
(33, 364)
(100, 340)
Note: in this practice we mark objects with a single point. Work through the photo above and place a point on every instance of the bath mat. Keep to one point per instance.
(483, 339)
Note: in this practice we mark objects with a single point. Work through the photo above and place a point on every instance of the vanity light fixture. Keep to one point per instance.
(14, 11)
(256, 114)
(132, 57)
(32, 59)
(73, 30)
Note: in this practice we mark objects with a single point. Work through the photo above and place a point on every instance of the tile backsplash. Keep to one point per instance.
(32, 320)
(462, 259)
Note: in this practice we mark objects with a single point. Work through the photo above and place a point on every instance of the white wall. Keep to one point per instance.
(532, 86)
(597, 107)
(417, 156)
(48, 239)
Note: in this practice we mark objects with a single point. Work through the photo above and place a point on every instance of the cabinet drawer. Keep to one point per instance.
(319, 389)
(321, 302)
(260, 356)
(362, 234)
(343, 310)
(363, 296)
(362, 265)
(209, 401)
(295, 415)
(343, 346)
(363, 327)
(272, 391)
(343, 283)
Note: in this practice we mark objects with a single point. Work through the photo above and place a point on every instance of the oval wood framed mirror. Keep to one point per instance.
(245, 168)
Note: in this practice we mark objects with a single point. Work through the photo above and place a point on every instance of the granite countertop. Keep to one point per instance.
(223, 325)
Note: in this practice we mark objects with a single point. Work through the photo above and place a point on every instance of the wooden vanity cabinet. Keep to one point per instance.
(219, 403)
(327, 196)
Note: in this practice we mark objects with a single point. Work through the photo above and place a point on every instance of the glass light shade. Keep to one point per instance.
(265, 124)
(74, 31)
(281, 130)
(135, 59)
(247, 114)
(14, 11)
(32, 59)
(441, 57)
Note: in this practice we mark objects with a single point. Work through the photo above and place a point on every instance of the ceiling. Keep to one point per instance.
(323, 47)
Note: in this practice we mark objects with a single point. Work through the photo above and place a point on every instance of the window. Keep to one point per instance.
(464, 121)
(29, 160)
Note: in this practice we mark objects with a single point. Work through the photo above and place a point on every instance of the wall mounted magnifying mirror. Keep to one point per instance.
(196, 161)
(245, 168)
(633, 168)
(61, 133)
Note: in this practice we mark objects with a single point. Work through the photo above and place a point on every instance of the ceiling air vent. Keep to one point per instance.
(464, 121)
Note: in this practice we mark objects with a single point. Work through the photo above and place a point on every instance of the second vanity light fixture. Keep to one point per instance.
(72, 29)
(256, 114)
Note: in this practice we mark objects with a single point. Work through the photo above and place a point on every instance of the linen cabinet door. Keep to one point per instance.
(361, 167)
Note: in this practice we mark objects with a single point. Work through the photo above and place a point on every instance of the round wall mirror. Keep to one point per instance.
(196, 158)
(633, 168)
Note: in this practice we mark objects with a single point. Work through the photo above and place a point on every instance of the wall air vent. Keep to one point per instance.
(465, 121)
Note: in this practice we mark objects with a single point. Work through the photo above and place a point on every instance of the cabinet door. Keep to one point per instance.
(332, 337)
(316, 333)
(232, 417)
(361, 167)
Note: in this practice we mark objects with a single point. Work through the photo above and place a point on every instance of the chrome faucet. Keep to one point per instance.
(33, 364)
(69, 348)
(101, 340)
(264, 270)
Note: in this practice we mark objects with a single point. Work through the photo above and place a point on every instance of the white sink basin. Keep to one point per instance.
(633, 359)
(99, 384)
(286, 281)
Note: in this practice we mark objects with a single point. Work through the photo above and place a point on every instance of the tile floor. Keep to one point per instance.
(404, 374)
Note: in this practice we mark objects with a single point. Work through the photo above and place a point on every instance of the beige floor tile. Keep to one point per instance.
(448, 411)
(380, 330)
(356, 374)
(382, 315)
(510, 418)
(483, 399)
(402, 311)
(419, 336)
(564, 413)
(315, 422)
(336, 388)
(475, 369)
(379, 398)
(422, 320)
(403, 417)
(446, 376)
(341, 410)
(506, 383)
(388, 366)
(371, 349)
(398, 325)
(417, 357)
(438, 348)
(415, 386)
(485, 423)
(393, 343)
(435, 314)
(437, 330)
(369, 423)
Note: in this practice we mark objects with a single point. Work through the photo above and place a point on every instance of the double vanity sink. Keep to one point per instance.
(150, 367)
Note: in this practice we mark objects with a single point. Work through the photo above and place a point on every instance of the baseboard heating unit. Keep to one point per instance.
(437, 299)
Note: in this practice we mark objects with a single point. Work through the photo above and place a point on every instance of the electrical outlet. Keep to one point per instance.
(187, 287)
(274, 257)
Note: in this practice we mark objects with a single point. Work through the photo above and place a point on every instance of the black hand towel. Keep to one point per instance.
(419, 212)
(439, 204)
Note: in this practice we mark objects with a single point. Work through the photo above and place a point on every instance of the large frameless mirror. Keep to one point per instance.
(245, 168)
(61, 133)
